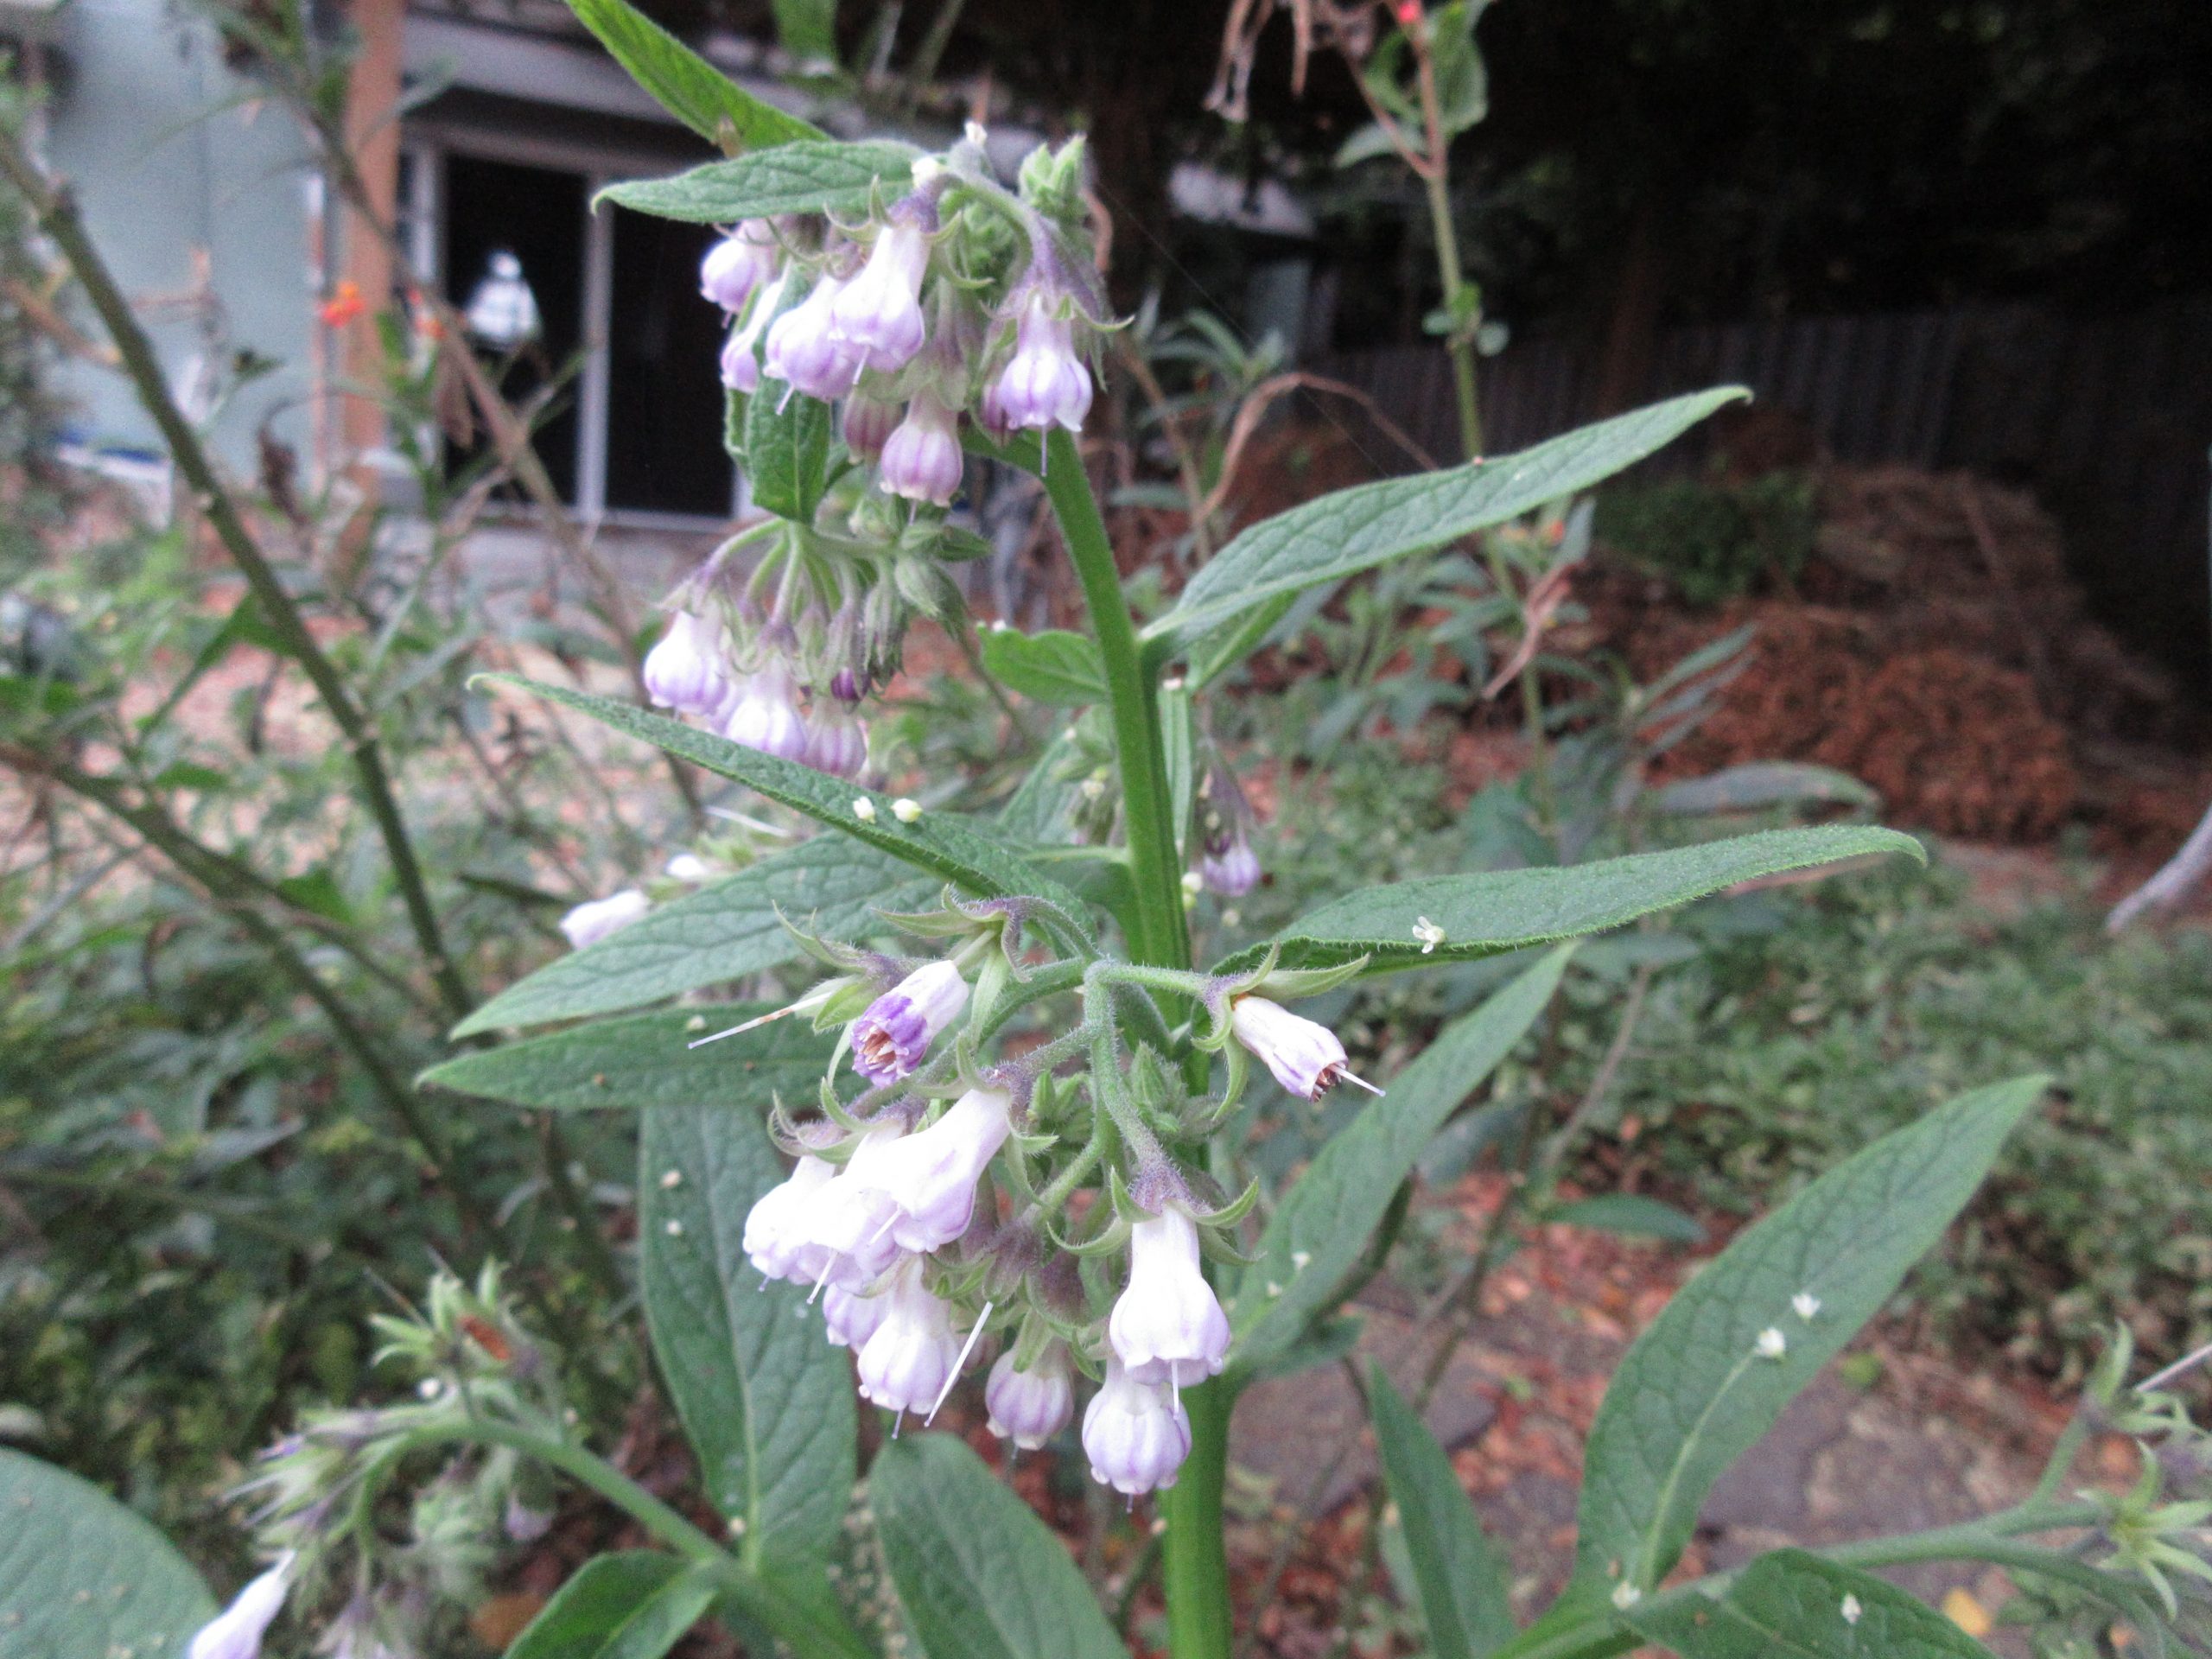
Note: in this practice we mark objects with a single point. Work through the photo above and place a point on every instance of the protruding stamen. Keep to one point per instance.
(959, 1364)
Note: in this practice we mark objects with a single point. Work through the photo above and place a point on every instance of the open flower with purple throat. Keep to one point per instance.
(1168, 1325)
(1135, 1435)
(890, 1038)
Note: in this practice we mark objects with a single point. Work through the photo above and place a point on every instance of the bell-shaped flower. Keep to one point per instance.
(776, 1226)
(896, 1030)
(867, 424)
(740, 263)
(1305, 1057)
(1135, 1435)
(905, 1365)
(1030, 1407)
(805, 350)
(593, 920)
(836, 741)
(1045, 384)
(852, 1316)
(683, 670)
(1230, 867)
(1168, 1325)
(741, 352)
(878, 312)
(931, 1176)
(990, 413)
(766, 715)
(922, 460)
(846, 1238)
(236, 1632)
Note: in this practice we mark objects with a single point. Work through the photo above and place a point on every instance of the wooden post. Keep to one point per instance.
(373, 134)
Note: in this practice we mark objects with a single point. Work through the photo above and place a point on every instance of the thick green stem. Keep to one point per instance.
(1459, 343)
(1194, 1563)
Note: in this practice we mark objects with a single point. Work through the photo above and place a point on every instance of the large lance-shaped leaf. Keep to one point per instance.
(724, 930)
(979, 1575)
(1369, 524)
(943, 843)
(1737, 1342)
(645, 1059)
(1319, 1234)
(79, 1574)
(1793, 1606)
(683, 83)
(1461, 1580)
(1495, 910)
(793, 178)
(636, 1603)
(765, 1398)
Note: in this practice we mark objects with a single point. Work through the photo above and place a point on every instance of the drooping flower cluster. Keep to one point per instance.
(959, 300)
(955, 1201)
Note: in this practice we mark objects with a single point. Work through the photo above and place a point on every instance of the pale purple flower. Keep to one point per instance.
(524, 1524)
(931, 1176)
(852, 1316)
(906, 1363)
(922, 460)
(741, 353)
(846, 1236)
(738, 265)
(1233, 870)
(689, 868)
(1305, 1057)
(766, 716)
(1029, 1407)
(991, 416)
(592, 921)
(868, 423)
(804, 349)
(836, 741)
(1045, 384)
(1168, 1325)
(878, 312)
(1135, 1435)
(776, 1227)
(890, 1038)
(683, 670)
(236, 1632)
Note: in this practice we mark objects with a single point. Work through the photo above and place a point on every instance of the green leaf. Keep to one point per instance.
(808, 30)
(1327, 1217)
(1054, 666)
(686, 85)
(633, 1605)
(1494, 911)
(1790, 1605)
(765, 1398)
(726, 929)
(80, 1574)
(1462, 1582)
(943, 843)
(1695, 1392)
(786, 449)
(1370, 523)
(979, 1575)
(806, 177)
(1760, 784)
(645, 1059)
(1632, 1214)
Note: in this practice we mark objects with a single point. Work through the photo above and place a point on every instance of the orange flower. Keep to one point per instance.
(343, 306)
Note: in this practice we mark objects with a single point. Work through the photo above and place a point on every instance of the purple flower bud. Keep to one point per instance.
(878, 312)
(236, 1632)
(1167, 1326)
(1135, 1433)
(837, 742)
(776, 1226)
(891, 1038)
(683, 670)
(931, 1176)
(804, 349)
(846, 686)
(740, 354)
(852, 1317)
(740, 263)
(765, 715)
(592, 921)
(990, 413)
(906, 1363)
(867, 424)
(524, 1524)
(1233, 870)
(1306, 1058)
(922, 460)
(1029, 1407)
(1045, 384)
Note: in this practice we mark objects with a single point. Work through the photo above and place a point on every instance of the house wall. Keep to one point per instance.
(167, 157)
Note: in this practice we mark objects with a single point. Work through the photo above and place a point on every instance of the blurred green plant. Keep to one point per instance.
(1713, 541)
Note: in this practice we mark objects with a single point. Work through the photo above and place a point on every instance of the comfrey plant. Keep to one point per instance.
(1017, 1152)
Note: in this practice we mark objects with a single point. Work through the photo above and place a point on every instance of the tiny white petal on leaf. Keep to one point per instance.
(1274, 1289)
(1626, 1595)
(1772, 1344)
(864, 809)
(1300, 1258)
(1851, 1610)
(1807, 1305)
(906, 809)
(676, 1229)
(671, 1180)
(1428, 933)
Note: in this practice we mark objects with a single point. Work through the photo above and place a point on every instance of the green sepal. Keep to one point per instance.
(1288, 984)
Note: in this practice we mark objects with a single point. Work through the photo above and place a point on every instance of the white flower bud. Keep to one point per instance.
(1029, 1407)
(1305, 1057)
(906, 1363)
(775, 1228)
(1168, 1325)
(766, 715)
(878, 312)
(683, 670)
(1135, 1435)
(592, 921)
(236, 1632)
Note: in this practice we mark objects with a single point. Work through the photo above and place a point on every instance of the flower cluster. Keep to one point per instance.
(1032, 1201)
(958, 300)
